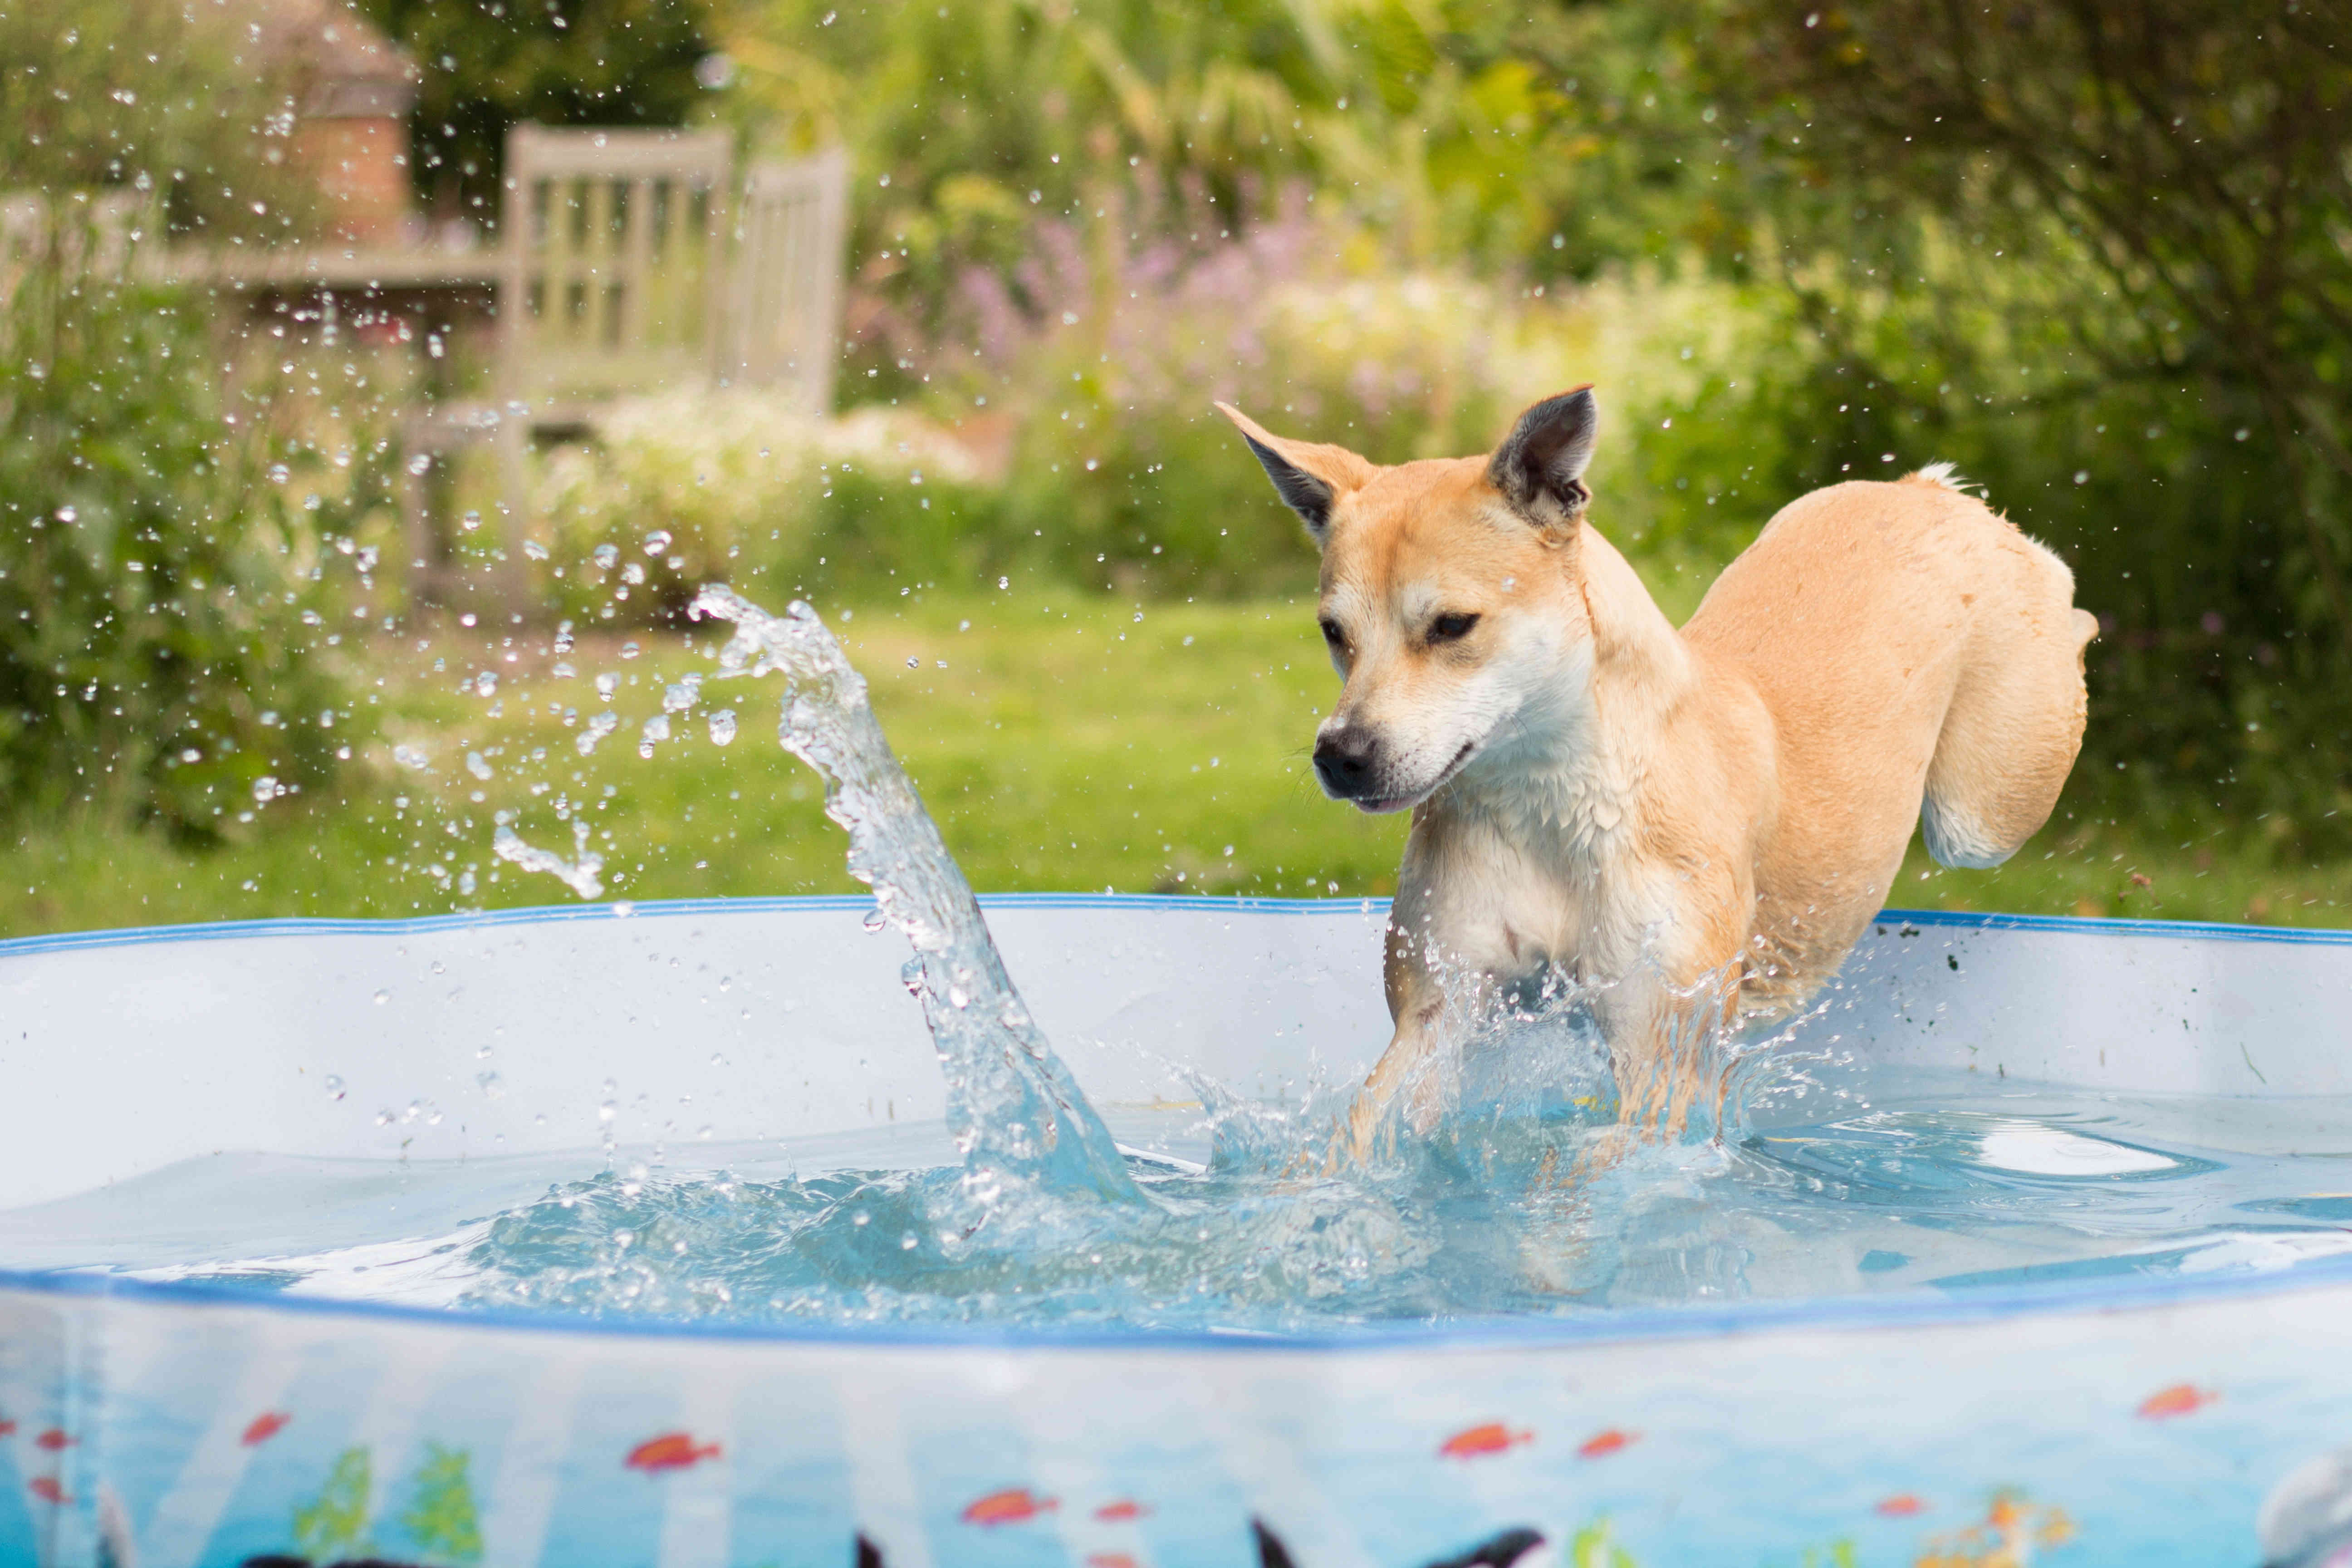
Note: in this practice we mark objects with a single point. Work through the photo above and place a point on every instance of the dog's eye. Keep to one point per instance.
(1332, 633)
(1451, 627)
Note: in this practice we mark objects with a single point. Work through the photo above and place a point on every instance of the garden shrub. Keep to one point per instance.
(156, 639)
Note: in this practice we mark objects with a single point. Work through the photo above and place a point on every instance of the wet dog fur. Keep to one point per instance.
(1698, 822)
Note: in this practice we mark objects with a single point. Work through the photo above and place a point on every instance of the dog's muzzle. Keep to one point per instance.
(1346, 761)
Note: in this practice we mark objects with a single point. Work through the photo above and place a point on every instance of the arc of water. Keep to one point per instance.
(1016, 1112)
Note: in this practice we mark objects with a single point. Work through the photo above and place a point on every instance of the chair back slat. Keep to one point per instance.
(616, 264)
(782, 327)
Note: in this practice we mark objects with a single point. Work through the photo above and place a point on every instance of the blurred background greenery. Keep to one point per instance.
(2098, 255)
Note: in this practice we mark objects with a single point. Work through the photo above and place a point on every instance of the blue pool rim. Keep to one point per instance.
(1602, 1326)
(661, 909)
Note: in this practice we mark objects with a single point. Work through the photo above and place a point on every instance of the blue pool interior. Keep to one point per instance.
(307, 1077)
(467, 1110)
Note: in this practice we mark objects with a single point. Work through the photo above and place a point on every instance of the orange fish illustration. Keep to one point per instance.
(46, 1487)
(2011, 1534)
(266, 1425)
(2181, 1399)
(670, 1451)
(1121, 1511)
(1476, 1442)
(1601, 1445)
(1902, 1505)
(1014, 1505)
(7, 1427)
(1109, 1560)
(53, 1440)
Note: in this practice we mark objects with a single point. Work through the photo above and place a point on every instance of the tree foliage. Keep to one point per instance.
(2099, 253)
(152, 658)
(491, 64)
(171, 100)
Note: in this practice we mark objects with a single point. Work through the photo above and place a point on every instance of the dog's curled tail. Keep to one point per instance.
(1947, 476)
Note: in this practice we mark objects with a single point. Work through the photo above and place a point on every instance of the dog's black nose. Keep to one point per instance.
(1344, 758)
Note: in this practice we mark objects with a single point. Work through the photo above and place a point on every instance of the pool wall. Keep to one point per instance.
(2143, 1421)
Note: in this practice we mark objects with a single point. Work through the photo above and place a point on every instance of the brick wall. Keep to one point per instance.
(360, 166)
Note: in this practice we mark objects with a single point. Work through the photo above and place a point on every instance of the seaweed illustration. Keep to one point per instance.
(334, 1524)
(1595, 1546)
(442, 1519)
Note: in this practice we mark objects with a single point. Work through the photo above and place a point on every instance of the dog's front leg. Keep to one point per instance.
(1402, 1068)
(1417, 1005)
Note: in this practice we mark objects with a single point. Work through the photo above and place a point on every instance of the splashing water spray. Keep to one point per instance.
(1015, 1113)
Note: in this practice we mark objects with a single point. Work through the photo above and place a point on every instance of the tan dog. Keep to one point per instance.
(1696, 822)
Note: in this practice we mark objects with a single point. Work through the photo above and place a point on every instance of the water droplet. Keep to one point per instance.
(604, 556)
(492, 1085)
(655, 731)
(602, 725)
(382, 998)
(657, 542)
(334, 1087)
(486, 683)
(875, 919)
(722, 728)
(475, 765)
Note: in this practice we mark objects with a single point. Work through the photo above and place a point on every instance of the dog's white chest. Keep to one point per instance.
(1506, 903)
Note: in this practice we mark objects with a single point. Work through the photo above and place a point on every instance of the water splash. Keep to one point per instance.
(580, 873)
(1016, 1114)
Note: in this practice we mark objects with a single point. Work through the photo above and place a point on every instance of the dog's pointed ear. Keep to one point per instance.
(1310, 476)
(1539, 468)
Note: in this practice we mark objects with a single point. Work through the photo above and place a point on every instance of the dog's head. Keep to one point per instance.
(1451, 598)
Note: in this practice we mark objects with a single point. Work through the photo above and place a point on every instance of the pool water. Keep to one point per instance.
(1932, 1183)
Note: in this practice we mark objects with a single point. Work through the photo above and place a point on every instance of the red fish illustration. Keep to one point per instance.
(1902, 1505)
(2181, 1399)
(1601, 1445)
(1476, 1442)
(670, 1451)
(53, 1440)
(1121, 1511)
(1110, 1560)
(46, 1487)
(266, 1425)
(1014, 1505)
(7, 1427)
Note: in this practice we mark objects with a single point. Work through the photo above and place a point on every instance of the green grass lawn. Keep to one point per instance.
(1062, 743)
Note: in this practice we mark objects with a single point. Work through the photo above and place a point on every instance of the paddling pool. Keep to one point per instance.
(2198, 1420)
